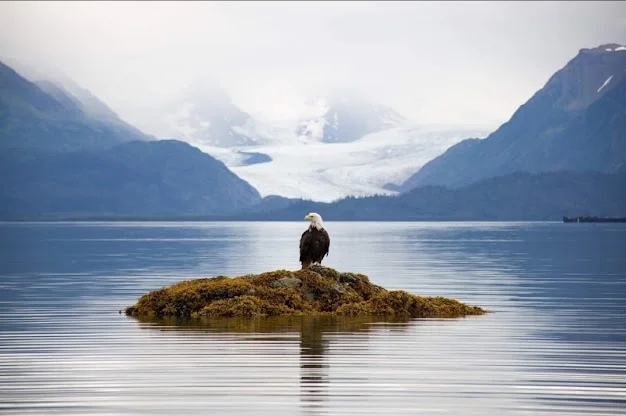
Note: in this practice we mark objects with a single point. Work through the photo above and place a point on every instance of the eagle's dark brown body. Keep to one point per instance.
(314, 245)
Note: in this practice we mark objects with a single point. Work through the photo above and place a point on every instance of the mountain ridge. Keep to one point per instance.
(161, 177)
(58, 158)
(572, 129)
(535, 138)
(91, 105)
(32, 118)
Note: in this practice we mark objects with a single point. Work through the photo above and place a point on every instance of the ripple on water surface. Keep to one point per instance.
(556, 343)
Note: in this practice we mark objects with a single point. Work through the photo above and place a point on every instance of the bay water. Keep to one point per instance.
(554, 342)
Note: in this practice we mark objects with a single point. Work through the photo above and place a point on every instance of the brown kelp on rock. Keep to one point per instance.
(316, 290)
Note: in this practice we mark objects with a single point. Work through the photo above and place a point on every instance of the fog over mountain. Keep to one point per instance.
(448, 62)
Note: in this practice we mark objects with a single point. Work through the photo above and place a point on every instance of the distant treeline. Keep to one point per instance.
(513, 197)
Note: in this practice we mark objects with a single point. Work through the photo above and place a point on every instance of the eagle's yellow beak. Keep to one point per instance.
(307, 217)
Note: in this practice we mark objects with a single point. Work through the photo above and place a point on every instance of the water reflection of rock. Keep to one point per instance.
(313, 366)
(316, 336)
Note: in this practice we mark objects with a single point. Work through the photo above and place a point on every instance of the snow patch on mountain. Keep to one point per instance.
(178, 122)
(342, 115)
(604, 84)
(312, 129)
(616, 48)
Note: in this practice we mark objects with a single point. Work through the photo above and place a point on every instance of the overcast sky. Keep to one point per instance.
(443, 62)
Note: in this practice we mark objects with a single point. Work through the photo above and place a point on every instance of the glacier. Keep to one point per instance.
(341, 144)
(326, 172)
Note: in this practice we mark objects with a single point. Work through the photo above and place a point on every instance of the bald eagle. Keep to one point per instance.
(315, 242)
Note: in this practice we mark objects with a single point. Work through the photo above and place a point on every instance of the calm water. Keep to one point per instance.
(555, 344)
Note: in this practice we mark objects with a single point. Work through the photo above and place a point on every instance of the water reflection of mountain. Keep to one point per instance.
(316, 337)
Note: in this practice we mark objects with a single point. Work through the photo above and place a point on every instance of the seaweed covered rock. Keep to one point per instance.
(317, 290)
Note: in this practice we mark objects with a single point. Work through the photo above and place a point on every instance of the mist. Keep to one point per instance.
(434, 62)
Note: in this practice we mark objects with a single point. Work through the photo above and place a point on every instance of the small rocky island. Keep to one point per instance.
(316, 290)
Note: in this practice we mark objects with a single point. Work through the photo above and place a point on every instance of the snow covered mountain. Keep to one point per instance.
(205, 115)
(344, 146)
(344, 116)
(325, 172)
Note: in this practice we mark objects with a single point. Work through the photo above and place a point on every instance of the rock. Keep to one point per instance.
(317, 290)
(325, 271)
(347, 278)
(286, 282)
(338, 288)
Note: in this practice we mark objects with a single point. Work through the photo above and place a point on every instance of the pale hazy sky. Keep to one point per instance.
(448, 62)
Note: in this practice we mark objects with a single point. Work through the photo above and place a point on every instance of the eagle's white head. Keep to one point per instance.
(316, 220)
